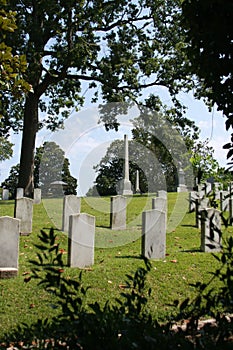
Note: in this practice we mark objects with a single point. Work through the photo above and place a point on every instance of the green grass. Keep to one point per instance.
(117, 253)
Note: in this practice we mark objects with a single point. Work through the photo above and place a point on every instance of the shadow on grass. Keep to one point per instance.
(189, 225)
(195, 250)
(103, 226)
(139, 257)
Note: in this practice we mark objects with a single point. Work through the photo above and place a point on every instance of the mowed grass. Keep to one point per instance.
(117, 253)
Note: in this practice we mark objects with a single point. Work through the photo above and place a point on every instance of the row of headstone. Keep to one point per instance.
(20, 194)
(81, 229)
(207, 219)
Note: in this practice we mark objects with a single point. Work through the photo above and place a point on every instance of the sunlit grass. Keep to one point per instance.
(117, 253)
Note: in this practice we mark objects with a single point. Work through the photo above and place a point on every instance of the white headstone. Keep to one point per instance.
(71, 205)
(217, 190)
(162, 194)
(118, 213)
(211, 237)
(192, 200)
(24, 212)
(37, 196)
(153, 234)
(160, 203)
(224, 200)
(9, 246)
(231, 211)
(208, 188)
(19, 192)
(181, 179)
(81, 240)
(201, 204)
(5, 194)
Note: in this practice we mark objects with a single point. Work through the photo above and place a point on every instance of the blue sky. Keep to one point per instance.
(85, 142)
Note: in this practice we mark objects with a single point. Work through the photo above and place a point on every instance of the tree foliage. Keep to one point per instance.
(5, 149)
(50, 165)
(209, 34)
(12, 65)
(113, 49)
(203, 161)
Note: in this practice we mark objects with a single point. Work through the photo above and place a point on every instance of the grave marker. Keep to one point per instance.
(193, 195)
(5, 194)
(160, 203)
(162, 194)
(37, 196)
(118, 213)
(153, 244)
(9, 246)
(24, 212)
(81, 240)
(211, 237)
(19, 192)
(224, 200)
(71, 205)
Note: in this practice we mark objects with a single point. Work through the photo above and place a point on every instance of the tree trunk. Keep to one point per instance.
(30, 128)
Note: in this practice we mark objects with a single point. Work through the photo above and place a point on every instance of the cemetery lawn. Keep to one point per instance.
(117, 253)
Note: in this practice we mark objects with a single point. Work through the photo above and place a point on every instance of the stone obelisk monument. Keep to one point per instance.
(126, 187)
(137, 188)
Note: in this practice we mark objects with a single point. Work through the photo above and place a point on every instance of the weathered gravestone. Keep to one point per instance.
(24, 212)
(193, 196)
(19, 192)
(81, 240)
(118, 213)
(162, 194)
(71, 205)
(208, 188)
(5, 194)
(201, 204)
(217, 187)
(160, 203)
(181, 179)
(211, 236)
(224, 200)
(9, 246)
(153, 244)
(231, 211)
(37, 196)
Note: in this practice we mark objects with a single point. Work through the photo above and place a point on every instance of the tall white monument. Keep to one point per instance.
(137, 188)
(125, 185)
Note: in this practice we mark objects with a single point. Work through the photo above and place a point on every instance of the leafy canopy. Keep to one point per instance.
(112, 49)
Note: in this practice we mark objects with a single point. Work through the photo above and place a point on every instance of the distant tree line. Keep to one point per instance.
(50, 166)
